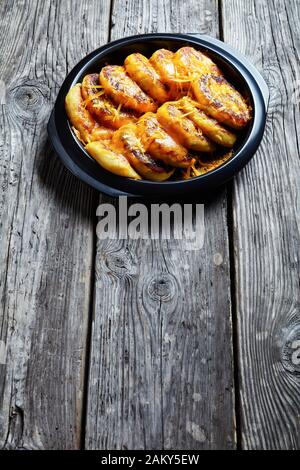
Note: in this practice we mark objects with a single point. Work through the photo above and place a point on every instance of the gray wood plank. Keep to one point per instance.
(161, 360)
(266, 231)
(46, 228)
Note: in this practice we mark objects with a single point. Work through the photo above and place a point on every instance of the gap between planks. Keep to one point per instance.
(92, 300)
(235, 351)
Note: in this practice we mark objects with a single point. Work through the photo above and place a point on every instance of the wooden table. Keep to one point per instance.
(142, 344)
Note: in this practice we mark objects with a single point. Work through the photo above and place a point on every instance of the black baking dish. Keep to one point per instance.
(236, 68)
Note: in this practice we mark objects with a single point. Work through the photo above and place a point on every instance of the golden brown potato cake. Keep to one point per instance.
(111, 160)
(159, 144)
(144, 74)
(101, 107)
(221, 100)
(163, 62)
(81, 118)
(123, 90)
(126, 141)
(182, 129)
(189, 63)
(209, 126)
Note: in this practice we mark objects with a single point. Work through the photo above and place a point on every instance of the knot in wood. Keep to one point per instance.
(162, 287)
(291, 351)
(28, 102)
(119, 264)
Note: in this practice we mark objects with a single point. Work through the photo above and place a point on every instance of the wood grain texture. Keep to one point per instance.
(161, 360)
(266, 231)
(46, 248)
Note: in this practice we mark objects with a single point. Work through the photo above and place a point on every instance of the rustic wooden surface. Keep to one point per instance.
(47, 233)
(266, 236)
(129, 344)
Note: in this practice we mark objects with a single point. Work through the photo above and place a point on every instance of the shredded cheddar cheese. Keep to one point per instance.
(92, 97)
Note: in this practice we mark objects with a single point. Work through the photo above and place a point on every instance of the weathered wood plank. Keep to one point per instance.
(161, 363)
(266, 231)
(46, 247)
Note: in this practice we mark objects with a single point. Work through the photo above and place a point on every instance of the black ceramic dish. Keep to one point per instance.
(236, 68)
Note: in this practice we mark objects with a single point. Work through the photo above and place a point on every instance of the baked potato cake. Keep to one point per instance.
(190, 63)
(101, 107)
(82, 120)
(144, 74)
(111, 160)
(126, 141)
(182, 129)
(159, 144)
(209, 126)
(217, 97)
(124, 91)
(163, 62)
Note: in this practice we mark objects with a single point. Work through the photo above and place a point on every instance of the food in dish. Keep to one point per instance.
(173, 115)
(87, 128)
(163, 61)
(209, 126)
(124, 90)
(159, 144)
(181, 128)
(111, 160)
(101, 107)
(217, 97)
(144, 74)
(127, 141)
(190, 63)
